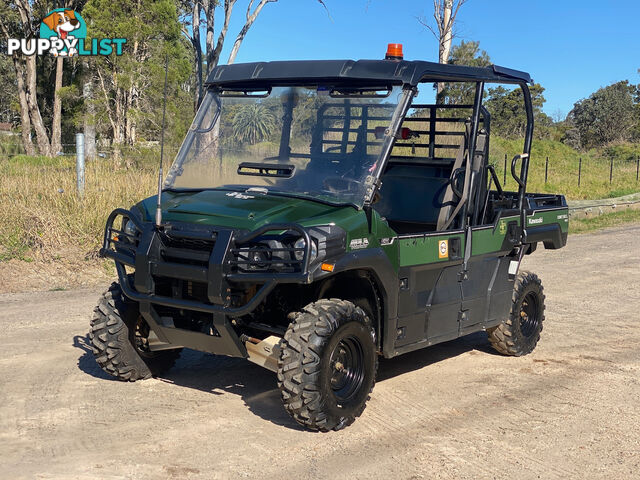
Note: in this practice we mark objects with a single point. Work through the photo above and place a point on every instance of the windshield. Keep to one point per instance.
(319, 142)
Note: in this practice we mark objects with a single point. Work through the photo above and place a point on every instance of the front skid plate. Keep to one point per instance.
(225, 342)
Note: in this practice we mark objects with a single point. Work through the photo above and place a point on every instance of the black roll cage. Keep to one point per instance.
(470, 182)
(409, 74)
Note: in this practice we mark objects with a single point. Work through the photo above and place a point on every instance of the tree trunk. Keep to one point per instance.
(118, 134)
(56, 128)
(130, 120)
(24, 108)
(446, 36)
(34, 111)
(250, 18)
(448, 32)
(197, 50)
(31, 93)
(107, 103)
(210, 13)
(228, 9)
(89, 116)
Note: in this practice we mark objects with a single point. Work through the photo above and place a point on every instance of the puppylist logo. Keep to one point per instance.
(63, 32)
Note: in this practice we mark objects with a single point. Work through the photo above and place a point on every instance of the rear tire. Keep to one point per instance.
(519, 334)
(118, 336)
(327, 364)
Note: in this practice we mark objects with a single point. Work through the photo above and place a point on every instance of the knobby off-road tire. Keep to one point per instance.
(519, 334)
(327, 364)
(118, 334)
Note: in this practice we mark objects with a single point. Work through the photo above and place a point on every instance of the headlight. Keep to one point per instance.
(260, 256)
(257, 257)
(130, 229)
(300, 244)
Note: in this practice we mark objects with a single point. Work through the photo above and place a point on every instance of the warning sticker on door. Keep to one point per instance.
(443, 249)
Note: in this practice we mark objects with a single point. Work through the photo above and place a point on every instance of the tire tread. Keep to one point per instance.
(110, 338)
(502, 336)
(300, 361)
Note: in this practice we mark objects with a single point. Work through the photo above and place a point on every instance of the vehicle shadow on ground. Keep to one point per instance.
(219, 375)
(418, 359)
(257, 387)
(86, 361)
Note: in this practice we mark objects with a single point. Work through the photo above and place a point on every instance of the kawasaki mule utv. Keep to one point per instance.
(319, 215)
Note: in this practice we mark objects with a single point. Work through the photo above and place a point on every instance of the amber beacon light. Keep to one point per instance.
(394, 52)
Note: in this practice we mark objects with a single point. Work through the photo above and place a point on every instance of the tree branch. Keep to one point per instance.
(250, 19)
(228, 8)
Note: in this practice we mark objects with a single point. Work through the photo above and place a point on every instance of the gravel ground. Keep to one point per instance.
(457, 410)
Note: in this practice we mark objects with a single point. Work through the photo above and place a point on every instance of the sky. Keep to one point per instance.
(571, 47)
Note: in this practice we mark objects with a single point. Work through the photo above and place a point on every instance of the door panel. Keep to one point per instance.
(429, 296)
(444, 310)
(486, 282)
(481, 271)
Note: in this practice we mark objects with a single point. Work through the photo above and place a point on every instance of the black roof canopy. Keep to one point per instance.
(373, 72)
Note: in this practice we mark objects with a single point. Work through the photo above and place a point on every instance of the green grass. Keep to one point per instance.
(563, 170)
(585, 225)
(622, 192)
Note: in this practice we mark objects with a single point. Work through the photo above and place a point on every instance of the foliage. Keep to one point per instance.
(507, 109)
(252, 123)
(470, 54)
(607, 116)
(624, 152)
(506, 105)
(9, 106)
(129, 92)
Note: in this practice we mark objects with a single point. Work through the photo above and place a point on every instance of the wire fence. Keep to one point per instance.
(615, 169)
(628, 170)
(139, 151)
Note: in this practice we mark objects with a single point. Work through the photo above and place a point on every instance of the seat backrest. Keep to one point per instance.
(412, 193)
(479, 169)
(450, 200)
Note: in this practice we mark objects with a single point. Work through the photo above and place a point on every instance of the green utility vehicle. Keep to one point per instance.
(318, 215)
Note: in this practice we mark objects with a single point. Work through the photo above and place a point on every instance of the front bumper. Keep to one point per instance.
(195, 255)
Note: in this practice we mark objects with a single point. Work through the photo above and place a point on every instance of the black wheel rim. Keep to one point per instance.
(347, 369)
(529, 315)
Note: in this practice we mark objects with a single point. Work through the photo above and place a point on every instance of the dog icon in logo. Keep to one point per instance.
(63, 23)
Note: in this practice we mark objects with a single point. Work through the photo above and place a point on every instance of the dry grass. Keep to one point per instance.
(43, 217)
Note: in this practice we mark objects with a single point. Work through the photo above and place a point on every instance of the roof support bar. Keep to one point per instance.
(524, 169)
(470, 182)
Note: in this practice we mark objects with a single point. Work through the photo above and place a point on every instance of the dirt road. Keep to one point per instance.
(569, 410)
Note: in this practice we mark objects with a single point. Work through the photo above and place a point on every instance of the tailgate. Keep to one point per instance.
(547, 220)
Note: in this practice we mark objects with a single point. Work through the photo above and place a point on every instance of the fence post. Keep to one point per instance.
(579, 170)
(611, 171)
(546, 170)
(80, 163)
(504, 174)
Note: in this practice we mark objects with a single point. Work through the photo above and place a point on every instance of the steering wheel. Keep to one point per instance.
(340, 184)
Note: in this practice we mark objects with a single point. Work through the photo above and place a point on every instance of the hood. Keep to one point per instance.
(236, 210)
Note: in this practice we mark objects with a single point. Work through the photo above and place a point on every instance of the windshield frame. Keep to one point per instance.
(215, 94)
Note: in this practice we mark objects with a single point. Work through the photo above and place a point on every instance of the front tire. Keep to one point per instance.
(519, 334)
(327, 365)
(119, 339)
